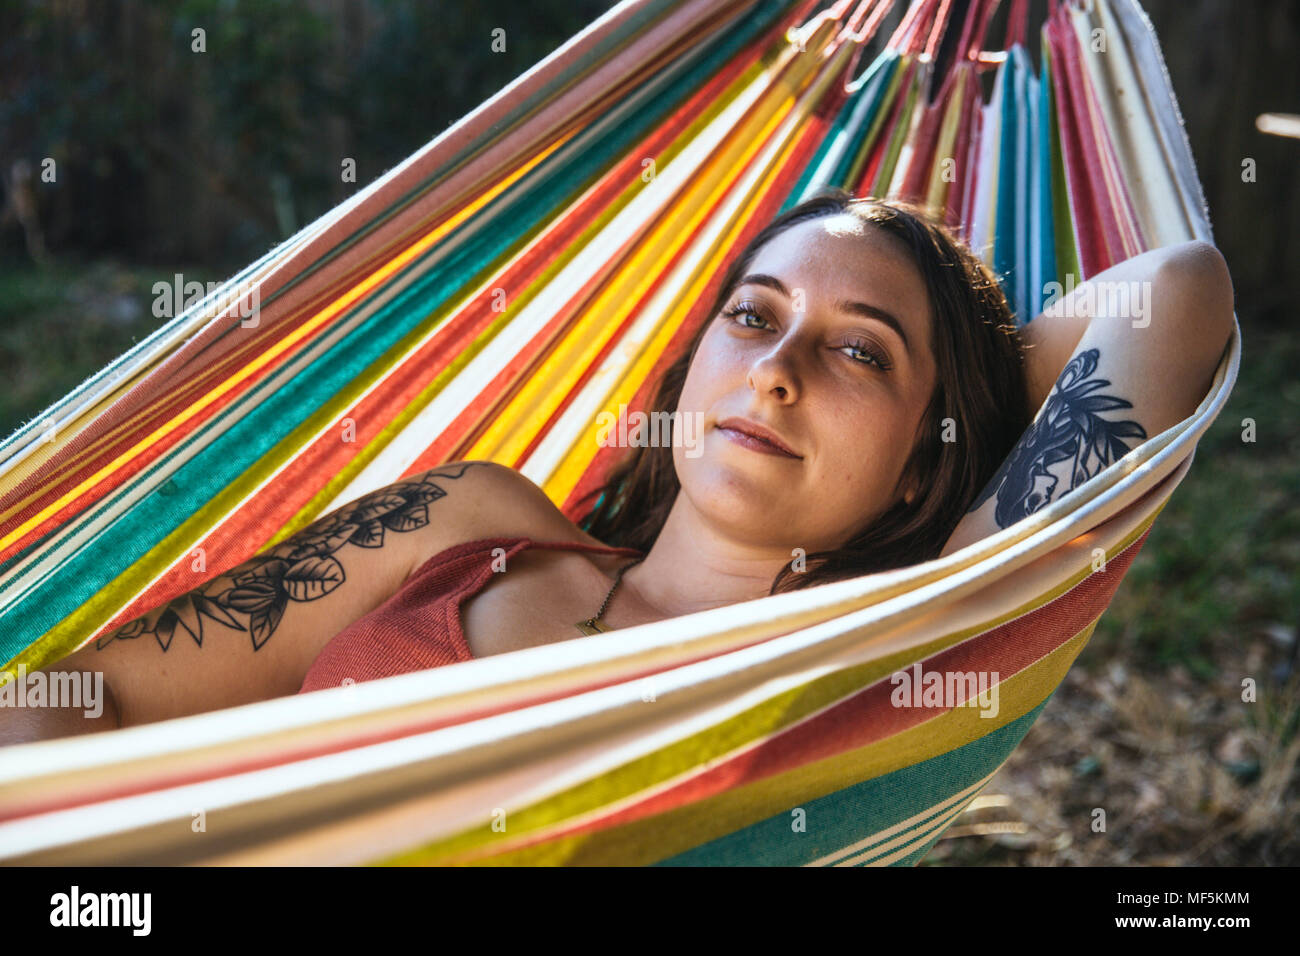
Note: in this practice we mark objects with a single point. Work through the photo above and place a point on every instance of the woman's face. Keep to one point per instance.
(813, 356)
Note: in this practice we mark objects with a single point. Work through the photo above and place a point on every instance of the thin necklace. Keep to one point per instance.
(592, 625)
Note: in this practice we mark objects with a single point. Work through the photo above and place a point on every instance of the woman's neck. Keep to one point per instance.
(691, 568)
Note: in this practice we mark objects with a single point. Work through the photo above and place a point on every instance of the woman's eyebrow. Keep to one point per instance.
(859, 308)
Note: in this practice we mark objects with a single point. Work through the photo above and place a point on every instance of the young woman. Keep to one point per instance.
(864, 403)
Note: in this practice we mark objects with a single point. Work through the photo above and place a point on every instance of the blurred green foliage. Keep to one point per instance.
(166, 154)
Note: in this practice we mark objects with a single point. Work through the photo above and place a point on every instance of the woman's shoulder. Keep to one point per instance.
(489, 500)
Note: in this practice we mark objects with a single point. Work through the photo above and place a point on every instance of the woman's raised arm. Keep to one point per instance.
(1115, 361)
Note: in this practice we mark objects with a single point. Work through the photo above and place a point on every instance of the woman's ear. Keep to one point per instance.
(910, 491)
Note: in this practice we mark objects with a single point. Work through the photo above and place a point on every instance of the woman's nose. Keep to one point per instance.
(774, 373)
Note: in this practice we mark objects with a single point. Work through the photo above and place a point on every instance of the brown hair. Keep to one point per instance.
(980, 385)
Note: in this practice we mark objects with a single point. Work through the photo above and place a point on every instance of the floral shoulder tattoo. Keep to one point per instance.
(253, 596)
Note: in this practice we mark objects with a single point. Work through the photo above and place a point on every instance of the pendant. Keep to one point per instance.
(591, 626)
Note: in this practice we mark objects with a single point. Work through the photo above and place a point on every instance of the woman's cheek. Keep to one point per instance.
(708, 380)
(877, 449)
(691, 400)
(717, 360)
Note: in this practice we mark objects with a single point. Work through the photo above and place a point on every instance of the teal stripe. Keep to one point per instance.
(855, 813)
(1004, 235)
(1047, 235)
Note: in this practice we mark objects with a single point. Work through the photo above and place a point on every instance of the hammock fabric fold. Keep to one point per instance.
(540, 263)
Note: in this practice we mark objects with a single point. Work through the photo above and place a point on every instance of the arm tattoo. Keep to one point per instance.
(302, 568)
(1068, 427)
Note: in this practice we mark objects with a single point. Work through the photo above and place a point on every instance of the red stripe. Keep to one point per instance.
(972, 164)
(966, 126)
(1089, 239)
(1096, 212)
(916, 179)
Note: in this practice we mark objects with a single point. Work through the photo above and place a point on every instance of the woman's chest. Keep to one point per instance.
(533, 598)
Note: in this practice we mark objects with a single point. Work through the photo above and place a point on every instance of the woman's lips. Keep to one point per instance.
(754, 444)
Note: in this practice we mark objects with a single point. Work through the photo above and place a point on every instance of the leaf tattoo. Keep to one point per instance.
(1069, 428)
(303, 568)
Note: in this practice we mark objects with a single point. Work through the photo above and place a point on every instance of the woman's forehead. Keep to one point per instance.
(843, 255)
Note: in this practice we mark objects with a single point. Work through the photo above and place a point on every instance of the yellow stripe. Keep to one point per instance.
(902, 131)
(937, 193)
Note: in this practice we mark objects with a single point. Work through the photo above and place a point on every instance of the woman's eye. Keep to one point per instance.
(741, 311)
(867, 355)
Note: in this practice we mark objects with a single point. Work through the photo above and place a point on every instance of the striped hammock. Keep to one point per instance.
(606, 189)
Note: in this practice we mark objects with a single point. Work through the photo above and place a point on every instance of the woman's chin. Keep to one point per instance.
(731, 492)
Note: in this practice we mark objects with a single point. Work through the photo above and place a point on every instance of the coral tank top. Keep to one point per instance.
(419, 627)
